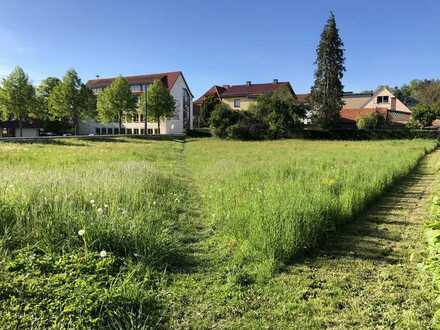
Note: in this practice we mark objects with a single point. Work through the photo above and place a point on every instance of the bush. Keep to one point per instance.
(273, 116)
(221, 118)
(372, 121)
(423, 115)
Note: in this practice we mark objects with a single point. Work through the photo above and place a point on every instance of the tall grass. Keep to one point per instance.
(128, 207)
(86, 229)
(274, 199)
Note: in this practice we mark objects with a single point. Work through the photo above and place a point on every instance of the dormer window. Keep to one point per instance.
(383, 99)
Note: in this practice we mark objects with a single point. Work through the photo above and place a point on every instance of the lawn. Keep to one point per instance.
(132, 234)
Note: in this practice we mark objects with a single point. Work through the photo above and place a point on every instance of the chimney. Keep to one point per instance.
(275, 81)
(97, 76)
(393, 103)
(248, 83)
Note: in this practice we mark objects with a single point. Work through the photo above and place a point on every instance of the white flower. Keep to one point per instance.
(81, 232)
(100, 211)
(154, 203)
(92, 202)
(103, 254)
(106, 206)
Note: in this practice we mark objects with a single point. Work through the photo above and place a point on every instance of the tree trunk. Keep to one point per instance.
(20, 126)
(158, 125)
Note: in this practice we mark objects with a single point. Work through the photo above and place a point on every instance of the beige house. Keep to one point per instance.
(240, 97)
(135, 124)
(381, 101)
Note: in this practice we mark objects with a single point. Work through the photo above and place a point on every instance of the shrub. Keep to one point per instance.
(207, 108)
(273, 116)
(372, 121)
(280, 112)
(423, 115)
(221, 118)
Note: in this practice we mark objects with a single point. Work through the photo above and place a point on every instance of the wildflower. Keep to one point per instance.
(105, 206)
(154, 203)
(103, 254)
(92, 202)
(436, 200)
(100, 210)
(81, 232)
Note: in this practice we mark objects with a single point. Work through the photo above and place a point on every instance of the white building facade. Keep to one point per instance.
(134, 124)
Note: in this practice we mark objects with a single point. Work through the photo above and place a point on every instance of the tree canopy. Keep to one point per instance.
(160, 103)
(280, 111)
(423, 115)
(71, 100)
(17, 98)
(115, 101)
(327, 91)
(208, 106)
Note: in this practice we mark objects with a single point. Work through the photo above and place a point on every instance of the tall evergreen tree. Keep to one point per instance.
(17, 98)
(327, 91)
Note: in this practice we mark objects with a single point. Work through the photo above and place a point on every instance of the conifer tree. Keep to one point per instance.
(327, 91)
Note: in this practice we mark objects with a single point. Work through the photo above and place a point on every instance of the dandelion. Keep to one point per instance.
(81, 232)
(103, 254)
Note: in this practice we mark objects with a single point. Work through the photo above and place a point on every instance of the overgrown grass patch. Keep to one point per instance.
(271, 200)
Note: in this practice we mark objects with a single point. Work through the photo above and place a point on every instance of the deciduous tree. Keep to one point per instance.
(160, 103)
(17, 98)
(115, 101)
(72, 100)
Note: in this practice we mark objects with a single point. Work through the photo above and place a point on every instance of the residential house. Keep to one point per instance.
(240, 97)
(135, 123)
(358, 105)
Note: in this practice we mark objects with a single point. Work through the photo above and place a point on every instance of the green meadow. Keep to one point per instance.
(130, 233)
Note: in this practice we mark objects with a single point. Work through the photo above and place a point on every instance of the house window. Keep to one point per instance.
(97, 131)
(136, 88)
(150, 131)
(135, 118)
(103, 131)
(383, 99)
(142, 131)
(141, 118)
(129, 131)
(123, 130)
(136, 131)
(116, 131)
(109, 131)
(237, 103)
(156, 131)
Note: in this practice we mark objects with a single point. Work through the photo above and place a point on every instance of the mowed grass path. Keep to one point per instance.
(200, 234)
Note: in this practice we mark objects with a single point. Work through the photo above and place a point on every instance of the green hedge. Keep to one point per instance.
(359, 134)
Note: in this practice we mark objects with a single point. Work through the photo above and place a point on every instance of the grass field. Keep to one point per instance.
(127, 234)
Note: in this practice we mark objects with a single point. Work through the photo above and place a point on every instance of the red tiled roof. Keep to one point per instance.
(252, 90)
(213, 91)
(168, 78)
(352, 115)
(302, 98)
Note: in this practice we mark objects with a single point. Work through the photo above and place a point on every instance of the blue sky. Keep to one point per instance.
(222, 41)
